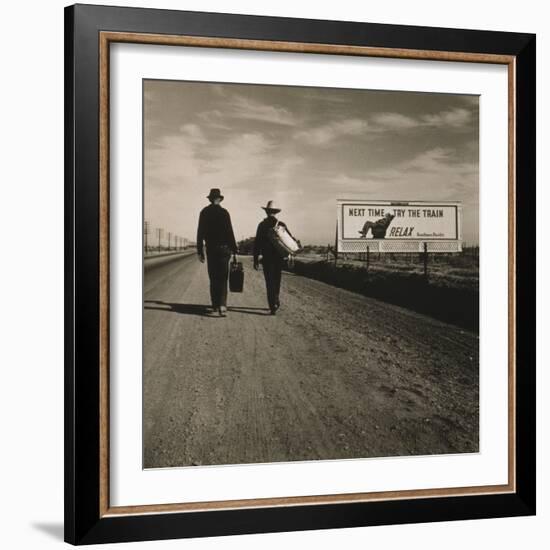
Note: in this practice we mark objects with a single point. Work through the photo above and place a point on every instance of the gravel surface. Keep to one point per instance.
(333, 375)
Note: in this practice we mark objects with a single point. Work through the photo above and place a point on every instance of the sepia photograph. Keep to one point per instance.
(310, 273)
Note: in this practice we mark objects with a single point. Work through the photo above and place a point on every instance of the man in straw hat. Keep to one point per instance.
(216, 231)
(272, 261)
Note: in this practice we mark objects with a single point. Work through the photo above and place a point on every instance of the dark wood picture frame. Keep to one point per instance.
(89, 30)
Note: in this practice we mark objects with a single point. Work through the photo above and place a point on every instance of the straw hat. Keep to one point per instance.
(271, 206)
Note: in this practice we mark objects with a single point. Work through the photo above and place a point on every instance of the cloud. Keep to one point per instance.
(238, 160)
(189, 158)
(248, 161)
(455, 118)
(213, 119)
(393, 121)
(471, 100)
(318, 94)
(431, 161)
(435, 174)
(244, 108)
(384, 123)
(325, 134)
(193, 134)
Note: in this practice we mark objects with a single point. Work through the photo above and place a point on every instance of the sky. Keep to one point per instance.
(303, 147)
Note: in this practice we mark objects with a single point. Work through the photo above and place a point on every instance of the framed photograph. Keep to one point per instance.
(299, 274)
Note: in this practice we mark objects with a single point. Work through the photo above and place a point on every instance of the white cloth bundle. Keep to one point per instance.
(282, 240)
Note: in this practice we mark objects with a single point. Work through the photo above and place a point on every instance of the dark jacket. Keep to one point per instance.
(262, 244)
(215, 229)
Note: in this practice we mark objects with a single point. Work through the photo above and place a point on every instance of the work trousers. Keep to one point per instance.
(217, 261)
(272, 268)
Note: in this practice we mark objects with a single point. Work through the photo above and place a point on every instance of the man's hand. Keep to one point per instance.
(256, 265)
(201, 258)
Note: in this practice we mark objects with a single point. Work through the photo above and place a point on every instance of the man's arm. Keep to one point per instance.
(231, 234)
(200, 236)
(288, 231)
(258, 245)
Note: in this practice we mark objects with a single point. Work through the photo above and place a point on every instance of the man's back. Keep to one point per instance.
(215, 228)
(262, 243)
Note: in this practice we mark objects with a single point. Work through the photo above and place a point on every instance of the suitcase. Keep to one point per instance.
(282, 241)
(236, 276)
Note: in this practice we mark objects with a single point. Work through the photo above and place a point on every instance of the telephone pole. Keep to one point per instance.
(159, 235)
(145, 234)
(169, 239)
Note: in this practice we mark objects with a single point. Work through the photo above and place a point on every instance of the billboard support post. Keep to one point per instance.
(368, 258)
(425, 262)
(336, 245)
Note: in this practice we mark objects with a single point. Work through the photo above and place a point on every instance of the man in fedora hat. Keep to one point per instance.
(216, 231)
(272, 261)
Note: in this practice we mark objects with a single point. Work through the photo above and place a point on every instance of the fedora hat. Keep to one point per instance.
(214, 194)
(271, 206)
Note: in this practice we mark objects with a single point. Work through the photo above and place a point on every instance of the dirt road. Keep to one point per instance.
(332, 375)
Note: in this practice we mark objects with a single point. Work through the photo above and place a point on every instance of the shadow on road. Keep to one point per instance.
(186, 309)
(198, 309)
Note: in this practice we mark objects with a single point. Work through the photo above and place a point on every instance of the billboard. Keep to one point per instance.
(399, 226)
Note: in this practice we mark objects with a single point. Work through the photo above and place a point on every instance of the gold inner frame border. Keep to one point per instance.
(108, 37)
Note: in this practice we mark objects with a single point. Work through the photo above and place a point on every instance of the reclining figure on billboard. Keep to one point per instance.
(378, 228)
